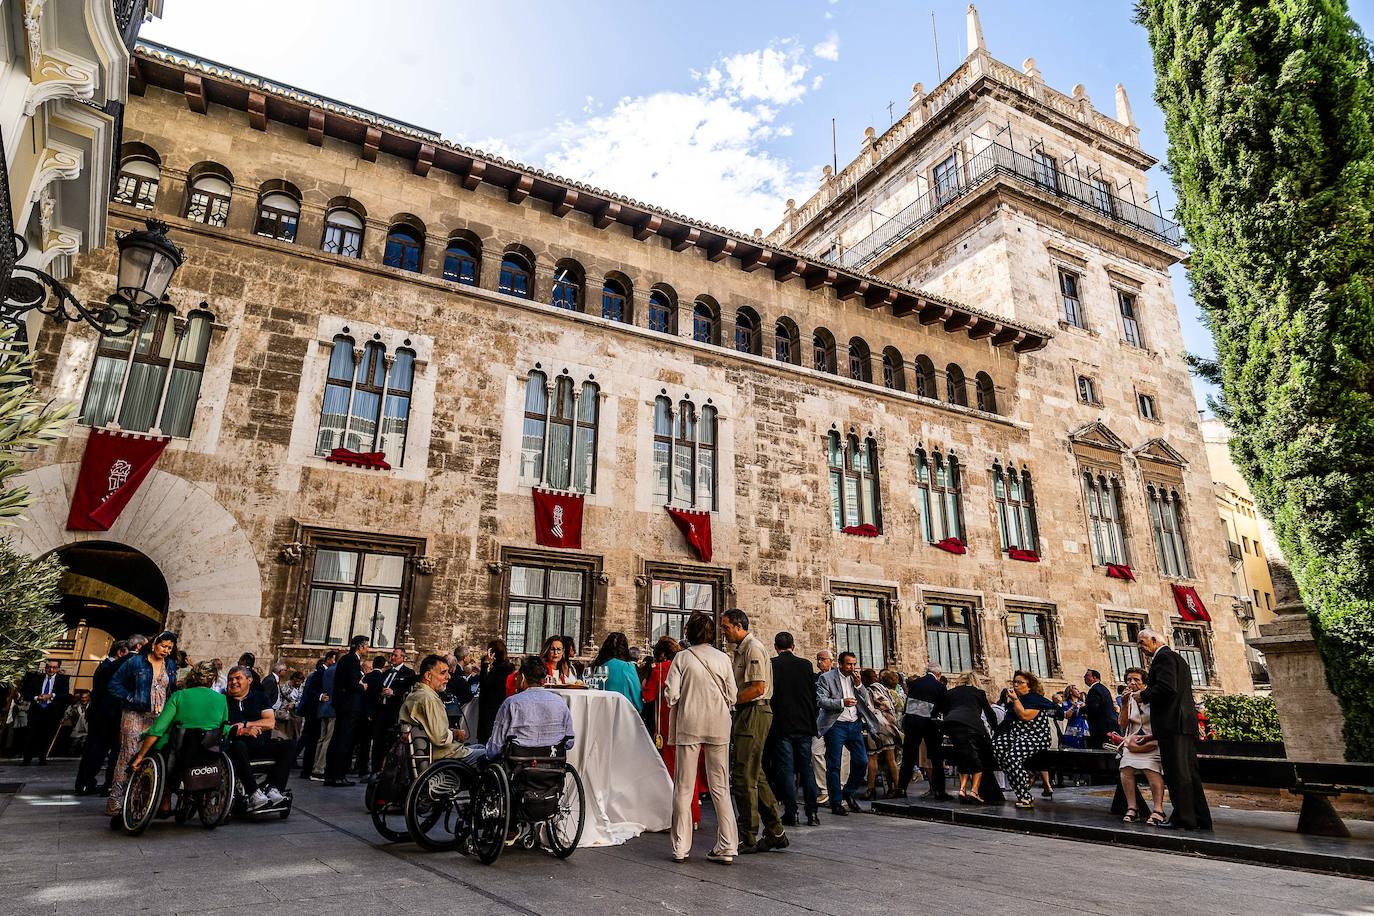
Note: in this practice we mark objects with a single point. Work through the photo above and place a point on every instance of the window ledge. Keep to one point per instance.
(1087, 332)
(321, 461)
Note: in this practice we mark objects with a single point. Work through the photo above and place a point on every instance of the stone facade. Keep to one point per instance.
(456, 509)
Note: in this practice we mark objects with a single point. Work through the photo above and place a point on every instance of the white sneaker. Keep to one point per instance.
(258, 800)
(274, 796)
(715, 855)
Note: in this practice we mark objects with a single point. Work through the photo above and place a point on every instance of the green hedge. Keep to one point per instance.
(1244, 718)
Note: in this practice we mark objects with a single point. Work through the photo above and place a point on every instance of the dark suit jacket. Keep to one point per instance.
(269, 691)
(1169, 691)
(928, 687)
(794, 695)
(347, 696)
(61, 689)
(102, 704)
(1100, 709)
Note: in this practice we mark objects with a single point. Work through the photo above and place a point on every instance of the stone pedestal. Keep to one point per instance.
(1308, 712)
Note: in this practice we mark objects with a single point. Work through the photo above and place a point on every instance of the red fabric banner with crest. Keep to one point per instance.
(695, 525)
(114, 465)
(558, 519)
(1190, 606)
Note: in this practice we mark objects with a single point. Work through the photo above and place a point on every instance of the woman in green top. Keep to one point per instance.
(621, 675)
(194, 705)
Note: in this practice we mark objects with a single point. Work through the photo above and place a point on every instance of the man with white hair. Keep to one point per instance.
(926, 702)
(1173, 720)
(825, 660)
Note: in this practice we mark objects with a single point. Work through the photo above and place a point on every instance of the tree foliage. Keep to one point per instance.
(29, 589)
(1269, 108)
(26, 421)
(1237, 717)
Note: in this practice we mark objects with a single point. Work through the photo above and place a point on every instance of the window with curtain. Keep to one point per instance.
(1130, 321)
(559, 435)
(130, 382)
(1011, 492)
(1145, 404)
(1191, 646)
(938, 494)
(704, 324)
(405, 248)
(614, 298)
(460, 263)
(857, 620)
(660, 313)
(137, 183)
(278, 215)
(1122, 650)
(853, 473)
(343, 233)
(1166, 522)
(949, 635)
(208, 200)
(516, 276)
(354, 593)
(685, 446)
(1028, 641)
(674, 599)
(1102, 496)
(544, 601)
(366, 406)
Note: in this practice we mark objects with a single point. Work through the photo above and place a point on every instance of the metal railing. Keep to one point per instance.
(129, 15)
(994, 160)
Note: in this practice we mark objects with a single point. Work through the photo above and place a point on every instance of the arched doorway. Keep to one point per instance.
(109, 591)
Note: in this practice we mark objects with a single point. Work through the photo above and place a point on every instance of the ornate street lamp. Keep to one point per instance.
(147, 261)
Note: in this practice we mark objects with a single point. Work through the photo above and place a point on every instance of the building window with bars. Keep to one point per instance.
(1166, 523)
(367, 396)
(1130, 322)
(938, 497)
(853, 469)
(1102, 196)
(208, 200)
(859, 623)
(1029, 641)
(343, 233)
(137, 183)
(1102, 497)
(357, 589)
(1121, 645)
(150, 381)
(684, 454)
(705, 323)
(1011, 491)
(949, 635)
(558, 451)
(546, 600)
(1073, 304)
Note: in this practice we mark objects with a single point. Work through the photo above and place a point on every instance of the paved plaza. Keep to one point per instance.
(60, 857)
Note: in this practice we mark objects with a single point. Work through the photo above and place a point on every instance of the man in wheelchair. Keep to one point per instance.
(423, 710)
(532, 718)
(250, 739)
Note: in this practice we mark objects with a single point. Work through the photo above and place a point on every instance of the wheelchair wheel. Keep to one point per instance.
(387, 817)
(491, 814)
(564, 829)
(142, 794)
(214, 804)
(438, 804)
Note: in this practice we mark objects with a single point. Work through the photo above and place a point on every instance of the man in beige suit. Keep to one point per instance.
(700, 691)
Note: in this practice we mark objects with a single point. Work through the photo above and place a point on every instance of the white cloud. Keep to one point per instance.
(828, 49)
(776, 74)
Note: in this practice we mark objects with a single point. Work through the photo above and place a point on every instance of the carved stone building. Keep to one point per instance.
(892, 451)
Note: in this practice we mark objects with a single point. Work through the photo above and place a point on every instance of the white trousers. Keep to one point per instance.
(818, 765)
(718, 781)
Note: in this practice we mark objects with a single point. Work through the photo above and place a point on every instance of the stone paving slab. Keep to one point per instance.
(60, 857)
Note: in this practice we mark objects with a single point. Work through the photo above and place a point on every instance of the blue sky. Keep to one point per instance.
(718, 110)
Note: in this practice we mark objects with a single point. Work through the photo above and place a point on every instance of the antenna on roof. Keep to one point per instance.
(939, 74)
(834, 152)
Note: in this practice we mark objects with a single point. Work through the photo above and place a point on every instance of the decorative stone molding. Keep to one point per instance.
(603, 579)
(425, 564)
(55, 78)
(56, 165)
(497, 568)
(641, 581)
(291, 553)
(33, 21)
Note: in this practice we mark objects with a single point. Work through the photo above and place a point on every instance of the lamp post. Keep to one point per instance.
(147, 262)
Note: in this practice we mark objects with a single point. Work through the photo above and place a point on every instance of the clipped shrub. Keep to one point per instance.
(1241, 717)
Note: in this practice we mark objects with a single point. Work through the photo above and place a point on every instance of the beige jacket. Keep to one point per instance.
(700, 690)
(424, 710)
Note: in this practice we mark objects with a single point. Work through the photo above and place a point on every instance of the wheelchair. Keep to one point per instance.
(258, 770)
(192, 772)
(530, 796)
(387, 792)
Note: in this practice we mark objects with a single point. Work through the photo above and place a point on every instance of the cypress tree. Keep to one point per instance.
(1269, 109)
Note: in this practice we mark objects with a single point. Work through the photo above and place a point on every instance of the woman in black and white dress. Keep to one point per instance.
(1029, 712)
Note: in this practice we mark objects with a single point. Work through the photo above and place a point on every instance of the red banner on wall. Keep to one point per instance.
(1190, 606)
(113, 467)
(557, 519)
(1120, 571)
(695, 525)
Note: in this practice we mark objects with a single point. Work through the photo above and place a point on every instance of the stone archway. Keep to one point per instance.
(214, 587)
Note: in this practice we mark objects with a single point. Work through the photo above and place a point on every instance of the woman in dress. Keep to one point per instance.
(1140, 752)
(1029, 711)
(883, 741)
(621, 675)
(141, 686)
(491, 680)
(1075, 719)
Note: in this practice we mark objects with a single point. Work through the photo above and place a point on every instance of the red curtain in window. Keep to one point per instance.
(113, 466)
(558, 519)
(1190, 606)
(695, 525)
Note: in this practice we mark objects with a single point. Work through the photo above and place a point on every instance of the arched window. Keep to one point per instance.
(660, 312)
(137, 182)
(405, 247)
(1011, 490)
(938, 499)
(208, 200)
(343, 233)
(278, 215)
(747, 331)
(894, 370)
(614, 300)
(685, 454)
(956, 391)
(391, 439)
(986, 392)
(1166, 522)
(460, 262)
(705, 322)
(854, 495)
(516, 275)
(786, 342)
(925, 377)
(823, 351)
(366, 400)
(567, 286)
(1102, 495)
(860, 361)
(558, 440)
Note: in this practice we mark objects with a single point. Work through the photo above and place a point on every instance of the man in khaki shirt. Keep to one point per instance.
(423, 709)
(753, 719)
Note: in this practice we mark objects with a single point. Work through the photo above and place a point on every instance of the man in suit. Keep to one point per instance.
(392, 684)
(788, 751)
(309, 710)
(102, 721)
(844, 714)
(1173, 719)
(347, 700)
(48, 692)
(270, 688)
(926, 703)
(1100, 709)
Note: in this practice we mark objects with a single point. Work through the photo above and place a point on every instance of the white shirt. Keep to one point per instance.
(851, 712)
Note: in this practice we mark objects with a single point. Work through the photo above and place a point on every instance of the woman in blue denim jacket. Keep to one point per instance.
(140, 685)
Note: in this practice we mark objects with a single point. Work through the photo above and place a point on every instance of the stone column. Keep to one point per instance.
(543, 282)
(595, 282)
(490, 277)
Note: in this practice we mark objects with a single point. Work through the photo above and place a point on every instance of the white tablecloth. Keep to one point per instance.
(626, 786)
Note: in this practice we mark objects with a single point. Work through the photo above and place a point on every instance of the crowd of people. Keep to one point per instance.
(769, 738)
